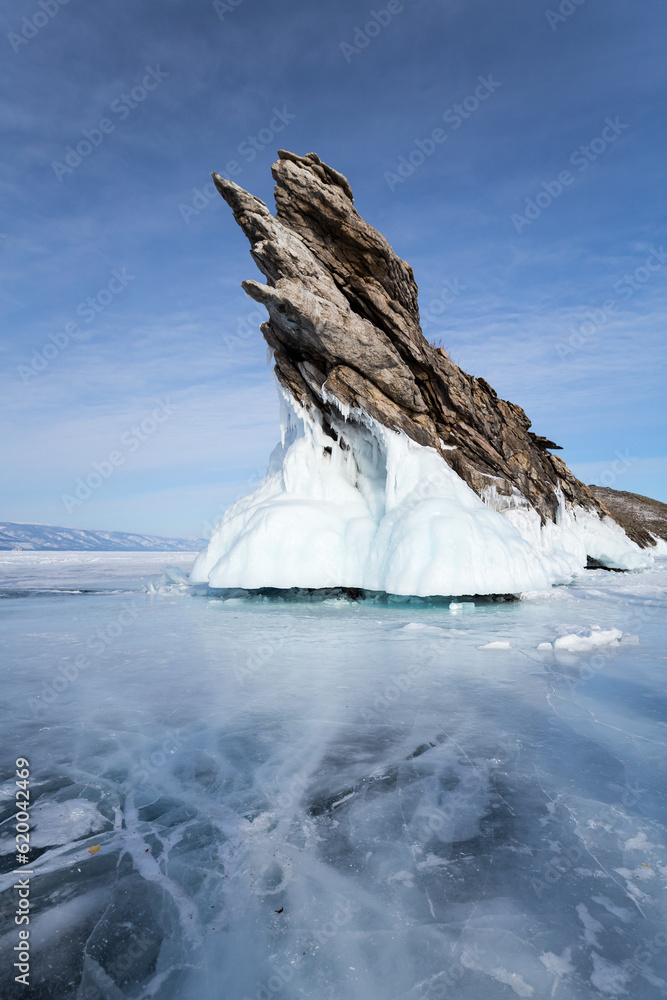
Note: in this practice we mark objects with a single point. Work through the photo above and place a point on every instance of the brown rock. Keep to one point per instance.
(636, 514)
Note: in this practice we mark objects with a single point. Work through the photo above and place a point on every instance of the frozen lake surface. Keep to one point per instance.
(333, 799)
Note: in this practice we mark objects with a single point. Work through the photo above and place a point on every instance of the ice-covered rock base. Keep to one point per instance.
(359, 505)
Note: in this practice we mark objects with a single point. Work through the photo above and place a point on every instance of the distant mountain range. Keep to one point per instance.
(16, 535)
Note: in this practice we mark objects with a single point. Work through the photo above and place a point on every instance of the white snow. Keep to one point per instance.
(496, 644)
(595, 636)
(74, 571)
(558, 965)
(607, 977)
(16, 535)
(592, 927)
(383, 513)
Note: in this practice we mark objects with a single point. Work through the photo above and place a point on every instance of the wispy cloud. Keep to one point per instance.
(170, 329)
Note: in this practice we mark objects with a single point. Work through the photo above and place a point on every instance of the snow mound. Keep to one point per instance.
(372, 509)
(596, 636)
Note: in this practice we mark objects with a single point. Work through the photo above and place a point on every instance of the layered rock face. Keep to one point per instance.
(345, 332)
(641, 517)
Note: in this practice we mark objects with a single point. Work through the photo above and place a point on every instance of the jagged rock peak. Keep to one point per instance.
(344, 328)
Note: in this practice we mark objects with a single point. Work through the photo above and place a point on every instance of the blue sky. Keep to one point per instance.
(124, 329)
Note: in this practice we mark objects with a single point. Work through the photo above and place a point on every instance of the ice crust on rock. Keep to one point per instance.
(383, 514)
(377, 511)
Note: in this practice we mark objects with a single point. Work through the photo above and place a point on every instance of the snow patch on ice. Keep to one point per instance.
(497, 644)
(592, 927)
(638, 843)
(608, 978)
(406, 878)
(558, 965)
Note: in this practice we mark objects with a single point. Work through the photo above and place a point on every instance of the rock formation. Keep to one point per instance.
(641, 517)
(397, 473)
(344, 328)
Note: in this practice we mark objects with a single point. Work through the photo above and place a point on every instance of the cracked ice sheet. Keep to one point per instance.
(286, 799)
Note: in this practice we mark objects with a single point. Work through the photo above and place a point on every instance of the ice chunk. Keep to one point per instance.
(497, 644)
(596, 636)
